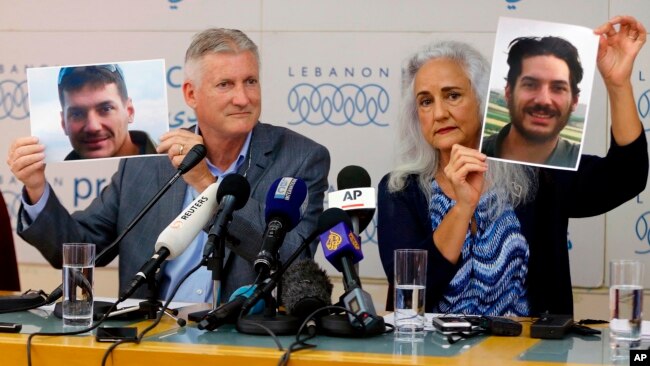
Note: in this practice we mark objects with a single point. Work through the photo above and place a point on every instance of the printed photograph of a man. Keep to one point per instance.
(97, 112)
(539, 116)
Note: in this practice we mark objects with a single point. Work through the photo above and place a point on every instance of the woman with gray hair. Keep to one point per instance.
(496, 233)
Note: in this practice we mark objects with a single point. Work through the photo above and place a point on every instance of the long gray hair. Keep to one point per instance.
(514, 183)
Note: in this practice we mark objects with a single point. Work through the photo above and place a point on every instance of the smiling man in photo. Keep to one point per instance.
(96, 113)
(541, 93)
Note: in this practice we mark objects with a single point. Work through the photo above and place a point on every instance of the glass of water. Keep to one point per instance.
(78, 270)
(625, 299)
(410, 284)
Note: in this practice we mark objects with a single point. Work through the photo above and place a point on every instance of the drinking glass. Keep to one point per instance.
(625, 299)
(78, 271)
(410, 287)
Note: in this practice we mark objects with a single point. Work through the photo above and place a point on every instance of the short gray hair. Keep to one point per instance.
(216, 40)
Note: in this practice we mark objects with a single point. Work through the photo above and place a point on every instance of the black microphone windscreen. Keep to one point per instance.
(193, 157)
(237, 186)
(352, 176)
(331, 217)
(305, 288)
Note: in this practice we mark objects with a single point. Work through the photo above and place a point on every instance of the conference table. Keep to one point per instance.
(170, 344)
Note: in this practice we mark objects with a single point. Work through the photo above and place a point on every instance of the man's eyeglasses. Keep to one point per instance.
(114, 68)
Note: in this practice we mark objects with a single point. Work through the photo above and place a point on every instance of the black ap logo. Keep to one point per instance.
(352, 195)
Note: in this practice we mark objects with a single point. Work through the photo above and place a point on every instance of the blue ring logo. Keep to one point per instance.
(643, 231)
(13, 99)
(172, 4)
(371, 232)
(644, 104)
(511, 4)
(359, 105)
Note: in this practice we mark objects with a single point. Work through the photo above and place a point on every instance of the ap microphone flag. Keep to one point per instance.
(354, 198)
(355, 195)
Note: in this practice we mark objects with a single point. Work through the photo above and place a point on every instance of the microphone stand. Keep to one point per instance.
(264, 287)
(339, 325)
(249, 324)
(278, 323)
(150, 307)
(215, 264)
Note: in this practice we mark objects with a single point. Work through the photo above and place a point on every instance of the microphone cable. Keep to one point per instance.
(195, 155)
(29, 299)
(310, 324)
(76, 332)
(158, 319)
(161, 312)
(266, 329)
(211, 321)
(94, 326)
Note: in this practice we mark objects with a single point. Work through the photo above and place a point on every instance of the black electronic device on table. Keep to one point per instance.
(551, 326)
(451, 324)
(114, 334)
(494, 325)
(10, 327)
(501, 326)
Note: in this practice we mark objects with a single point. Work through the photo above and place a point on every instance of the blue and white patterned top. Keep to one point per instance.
(493, 263)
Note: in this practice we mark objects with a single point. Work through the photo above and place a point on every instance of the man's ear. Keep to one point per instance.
(189, 93)
(63, 124)
(508, 93)
(574, 102)
(130, 110)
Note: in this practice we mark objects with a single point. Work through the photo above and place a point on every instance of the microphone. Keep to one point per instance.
(232, 195)
(341, 246)
(286, 202)
(355, 195)
(325, 222)
(178, 235)
(193, 157)
(229, 312)
(305, 289)
(342, 249)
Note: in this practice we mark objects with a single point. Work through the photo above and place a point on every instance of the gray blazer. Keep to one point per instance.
(275, 152)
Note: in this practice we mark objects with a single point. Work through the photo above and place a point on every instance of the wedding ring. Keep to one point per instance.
(180, 150)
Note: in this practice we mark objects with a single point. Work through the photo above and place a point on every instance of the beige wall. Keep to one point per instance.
(592, 304)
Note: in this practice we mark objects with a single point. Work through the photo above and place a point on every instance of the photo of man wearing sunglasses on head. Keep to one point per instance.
(96, 111)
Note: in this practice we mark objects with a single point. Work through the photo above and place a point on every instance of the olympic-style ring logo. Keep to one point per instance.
(13, 99)
(643, 231)
(172, 4)
(643, 105)
(370, 232)
(359, 105)
(511, 4)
